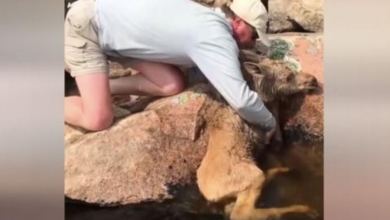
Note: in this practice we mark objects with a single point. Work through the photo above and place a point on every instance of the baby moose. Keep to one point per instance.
(228, 173)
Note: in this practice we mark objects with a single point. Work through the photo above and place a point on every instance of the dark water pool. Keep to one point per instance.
(303, 185)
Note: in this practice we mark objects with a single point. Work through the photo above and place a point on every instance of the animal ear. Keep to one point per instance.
(252, 68)
(265, 68)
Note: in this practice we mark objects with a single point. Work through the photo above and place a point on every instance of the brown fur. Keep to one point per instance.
(302, 117)
(229, 170)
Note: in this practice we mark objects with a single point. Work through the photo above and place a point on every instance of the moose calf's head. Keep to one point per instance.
(273, 79)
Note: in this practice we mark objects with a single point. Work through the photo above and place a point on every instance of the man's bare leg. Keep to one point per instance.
(92, 109)
(154, 79)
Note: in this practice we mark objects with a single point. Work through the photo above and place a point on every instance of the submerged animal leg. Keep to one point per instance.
(273, 172)
(269, 175)
(244, 208)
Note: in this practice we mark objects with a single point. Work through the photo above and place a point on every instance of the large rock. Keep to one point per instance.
(278, 20)
(309, 14)
(296, 15)
(144, 157)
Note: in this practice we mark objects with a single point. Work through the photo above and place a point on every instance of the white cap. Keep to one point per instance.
(254, 13)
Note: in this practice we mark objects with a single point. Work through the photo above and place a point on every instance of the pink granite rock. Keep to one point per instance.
(278, 20)
(306, 49)
(308, 14)
(143, 157)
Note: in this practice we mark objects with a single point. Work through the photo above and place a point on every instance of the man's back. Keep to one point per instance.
(157, 30)
(182, 32)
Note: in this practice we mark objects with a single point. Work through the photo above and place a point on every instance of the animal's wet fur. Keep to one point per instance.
(229, 168)
(302, 118)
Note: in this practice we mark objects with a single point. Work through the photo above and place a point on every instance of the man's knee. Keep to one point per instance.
(173, 88)
(176, 84)
(98, 121)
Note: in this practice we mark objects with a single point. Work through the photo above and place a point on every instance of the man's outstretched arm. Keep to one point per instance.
(217, 58)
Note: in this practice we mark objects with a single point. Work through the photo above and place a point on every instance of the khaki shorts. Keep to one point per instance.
(83, 54)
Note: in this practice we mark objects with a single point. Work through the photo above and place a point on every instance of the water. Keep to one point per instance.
(303, 185)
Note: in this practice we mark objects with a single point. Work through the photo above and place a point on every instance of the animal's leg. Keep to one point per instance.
(245, 209)
(246, 200)
(271, 173)
(265, 213)
(229, 208)
(275, 213)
